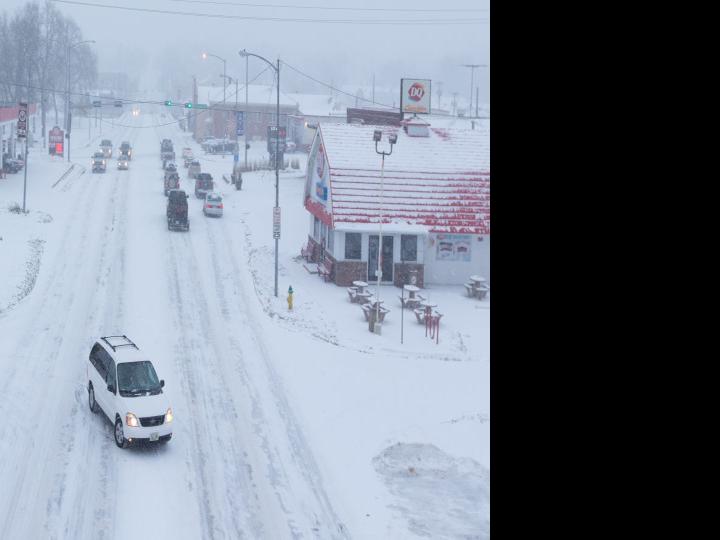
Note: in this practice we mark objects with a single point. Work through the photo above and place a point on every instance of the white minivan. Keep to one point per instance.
(123, 384)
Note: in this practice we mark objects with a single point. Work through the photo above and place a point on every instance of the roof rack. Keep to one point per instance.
(114, 347)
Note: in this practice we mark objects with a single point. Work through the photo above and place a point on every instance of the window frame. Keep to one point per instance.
(359, 246)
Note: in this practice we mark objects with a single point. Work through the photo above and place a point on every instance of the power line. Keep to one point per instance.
(400, 22)
(334, 8)
(336, 89)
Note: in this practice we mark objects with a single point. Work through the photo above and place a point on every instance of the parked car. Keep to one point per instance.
(125, 148)
(106, 147)
(98, 162)
(177, 210)
(187, 153)
(170, 166)
(122, 384)
(203, 185)
(172, 181)
(213, 205)
(12, 166)
(194, 169)
(122, 162)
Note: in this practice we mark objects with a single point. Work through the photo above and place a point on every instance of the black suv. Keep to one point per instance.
(177, 210)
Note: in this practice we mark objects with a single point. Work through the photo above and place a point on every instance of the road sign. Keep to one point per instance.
(240, 122)
(22, 121)
(276, 222)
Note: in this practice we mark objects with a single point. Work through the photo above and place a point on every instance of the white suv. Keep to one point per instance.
(122, 382)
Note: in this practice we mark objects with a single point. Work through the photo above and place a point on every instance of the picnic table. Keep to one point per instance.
(477, 287)
(413, 299)
(373, 307)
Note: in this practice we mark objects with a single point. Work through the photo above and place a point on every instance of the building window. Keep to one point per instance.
(408, 247)
(316, 229)
(353, 245)
(331, 241)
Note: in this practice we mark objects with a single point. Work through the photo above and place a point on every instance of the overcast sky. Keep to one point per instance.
(347, 54)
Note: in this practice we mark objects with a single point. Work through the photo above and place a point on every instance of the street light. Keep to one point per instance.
(245, 54)
(235, 156)
(204, 57)
(392, 139)
(67, 92)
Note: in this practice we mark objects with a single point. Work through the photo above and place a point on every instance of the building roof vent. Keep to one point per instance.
(415, 127)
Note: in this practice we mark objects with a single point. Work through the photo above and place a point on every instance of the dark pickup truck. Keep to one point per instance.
(177, 210)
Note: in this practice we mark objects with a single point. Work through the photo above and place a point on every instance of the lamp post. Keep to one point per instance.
(276, 235)
(204, 56)
(67, 92)
(392, 139)
(235, 154)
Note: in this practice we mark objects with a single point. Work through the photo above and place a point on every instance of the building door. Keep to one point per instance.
(387, 257)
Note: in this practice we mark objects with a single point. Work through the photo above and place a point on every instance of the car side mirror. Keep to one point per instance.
(162, 383)
(111, 388)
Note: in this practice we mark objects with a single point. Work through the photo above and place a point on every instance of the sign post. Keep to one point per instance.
(22, 134)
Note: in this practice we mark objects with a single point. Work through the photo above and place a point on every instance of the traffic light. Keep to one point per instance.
(188, 105)
(168, 102)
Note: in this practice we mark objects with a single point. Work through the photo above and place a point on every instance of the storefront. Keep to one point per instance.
(433, 200)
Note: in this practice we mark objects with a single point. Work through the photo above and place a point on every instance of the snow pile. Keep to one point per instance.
(430, 486)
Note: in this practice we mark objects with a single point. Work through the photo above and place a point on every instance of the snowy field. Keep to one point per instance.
(289, 424)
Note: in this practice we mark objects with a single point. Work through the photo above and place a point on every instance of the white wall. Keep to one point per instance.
(457, 272)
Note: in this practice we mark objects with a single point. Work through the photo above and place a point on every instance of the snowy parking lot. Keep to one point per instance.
(288, 424)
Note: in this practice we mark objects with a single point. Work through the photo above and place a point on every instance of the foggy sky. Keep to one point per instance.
(144, 43)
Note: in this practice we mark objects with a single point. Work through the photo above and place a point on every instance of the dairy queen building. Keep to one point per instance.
(433, 200)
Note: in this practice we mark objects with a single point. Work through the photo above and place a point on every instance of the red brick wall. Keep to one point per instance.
(401, 276)
(348, 271)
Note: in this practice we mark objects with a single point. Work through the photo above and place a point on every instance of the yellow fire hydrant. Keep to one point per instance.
(290, 297)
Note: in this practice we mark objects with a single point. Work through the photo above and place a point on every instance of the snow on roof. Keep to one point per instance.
(317, 104)
(441, 181)
(258, 94)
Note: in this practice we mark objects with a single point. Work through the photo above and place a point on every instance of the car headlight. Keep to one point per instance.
(131, 420)
(169, 415)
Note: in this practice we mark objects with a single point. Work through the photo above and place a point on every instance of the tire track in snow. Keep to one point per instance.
(45, 341)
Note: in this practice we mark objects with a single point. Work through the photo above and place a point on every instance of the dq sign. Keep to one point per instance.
(415, 95)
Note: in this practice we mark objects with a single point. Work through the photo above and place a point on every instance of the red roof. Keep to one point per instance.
(441, 181)
(10, 114)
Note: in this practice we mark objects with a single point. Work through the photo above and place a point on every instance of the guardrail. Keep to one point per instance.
(64, 175)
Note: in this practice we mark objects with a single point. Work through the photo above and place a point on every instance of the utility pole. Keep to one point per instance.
(373, 89)
(247, 61)
(477, 100)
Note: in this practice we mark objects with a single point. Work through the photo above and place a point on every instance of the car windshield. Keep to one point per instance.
(137, 379)
(213, 198)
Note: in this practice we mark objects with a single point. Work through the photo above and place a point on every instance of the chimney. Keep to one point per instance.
(415, 127)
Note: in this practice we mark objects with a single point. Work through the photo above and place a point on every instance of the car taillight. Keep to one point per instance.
(220, 205)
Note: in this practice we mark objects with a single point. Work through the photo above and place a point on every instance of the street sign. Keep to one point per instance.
(22, 121)
(236, 158)
(240, 122)
(276, 222)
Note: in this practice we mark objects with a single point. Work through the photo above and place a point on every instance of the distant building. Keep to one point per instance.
(218, 121)
(10, 145)
(434, 199)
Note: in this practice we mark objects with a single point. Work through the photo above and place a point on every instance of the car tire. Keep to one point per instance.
(118, 434)
(91, 399)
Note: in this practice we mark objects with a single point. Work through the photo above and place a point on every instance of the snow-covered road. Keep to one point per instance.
(288, 424)
(238, 465)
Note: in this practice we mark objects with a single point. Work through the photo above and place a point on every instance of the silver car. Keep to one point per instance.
(122, 163)
(213, 205)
